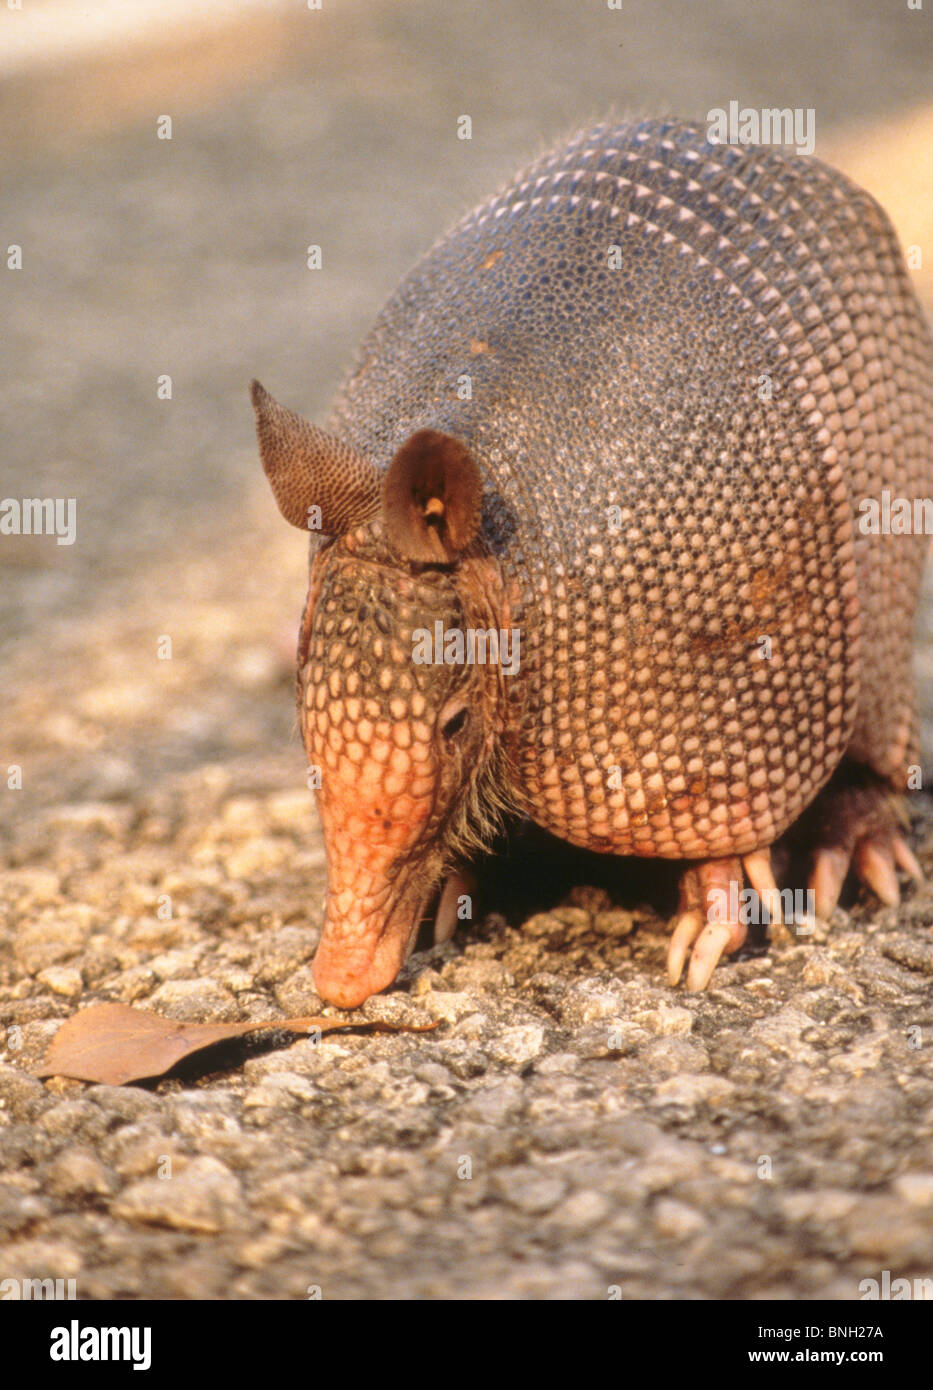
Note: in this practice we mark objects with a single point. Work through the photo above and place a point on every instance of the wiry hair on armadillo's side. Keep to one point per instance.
(481, 813)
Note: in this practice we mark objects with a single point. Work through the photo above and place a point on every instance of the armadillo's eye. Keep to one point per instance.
(455, 722)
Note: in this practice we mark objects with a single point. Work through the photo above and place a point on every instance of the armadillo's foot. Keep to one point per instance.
(708, 913)
(856, 823)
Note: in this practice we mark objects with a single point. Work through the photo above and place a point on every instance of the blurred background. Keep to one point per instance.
(186, 257)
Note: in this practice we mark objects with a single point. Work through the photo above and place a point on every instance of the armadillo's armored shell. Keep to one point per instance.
(686, 365)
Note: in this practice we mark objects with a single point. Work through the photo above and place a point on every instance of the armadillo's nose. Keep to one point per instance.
(357, 959)
(337, 982)
(335, 988)
(377, 881)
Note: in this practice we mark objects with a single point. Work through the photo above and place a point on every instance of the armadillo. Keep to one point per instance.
(630, 412)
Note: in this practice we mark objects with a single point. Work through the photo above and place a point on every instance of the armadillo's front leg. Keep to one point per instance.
(707, 914)
(856, 822)
(704, 919)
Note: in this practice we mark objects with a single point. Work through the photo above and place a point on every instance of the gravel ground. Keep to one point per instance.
(573, 1125)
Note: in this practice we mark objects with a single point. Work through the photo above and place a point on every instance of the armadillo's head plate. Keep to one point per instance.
(400, 720)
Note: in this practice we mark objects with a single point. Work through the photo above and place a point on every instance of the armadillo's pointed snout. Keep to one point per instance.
(355, 961)
(362, 956)
(345, 988)
(335, 986)
(376, 893)
(348, 977)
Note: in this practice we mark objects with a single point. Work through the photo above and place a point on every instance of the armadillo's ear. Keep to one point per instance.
(318, 481)
(431, 498)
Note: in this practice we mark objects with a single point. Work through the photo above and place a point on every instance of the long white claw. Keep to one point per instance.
(904, 858)
(760, 875)
(687, 928)
(461, 883)
(711, 943)
(830, 866)
(874, 864)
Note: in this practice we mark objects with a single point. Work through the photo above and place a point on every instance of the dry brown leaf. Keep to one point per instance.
(115, 1044)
